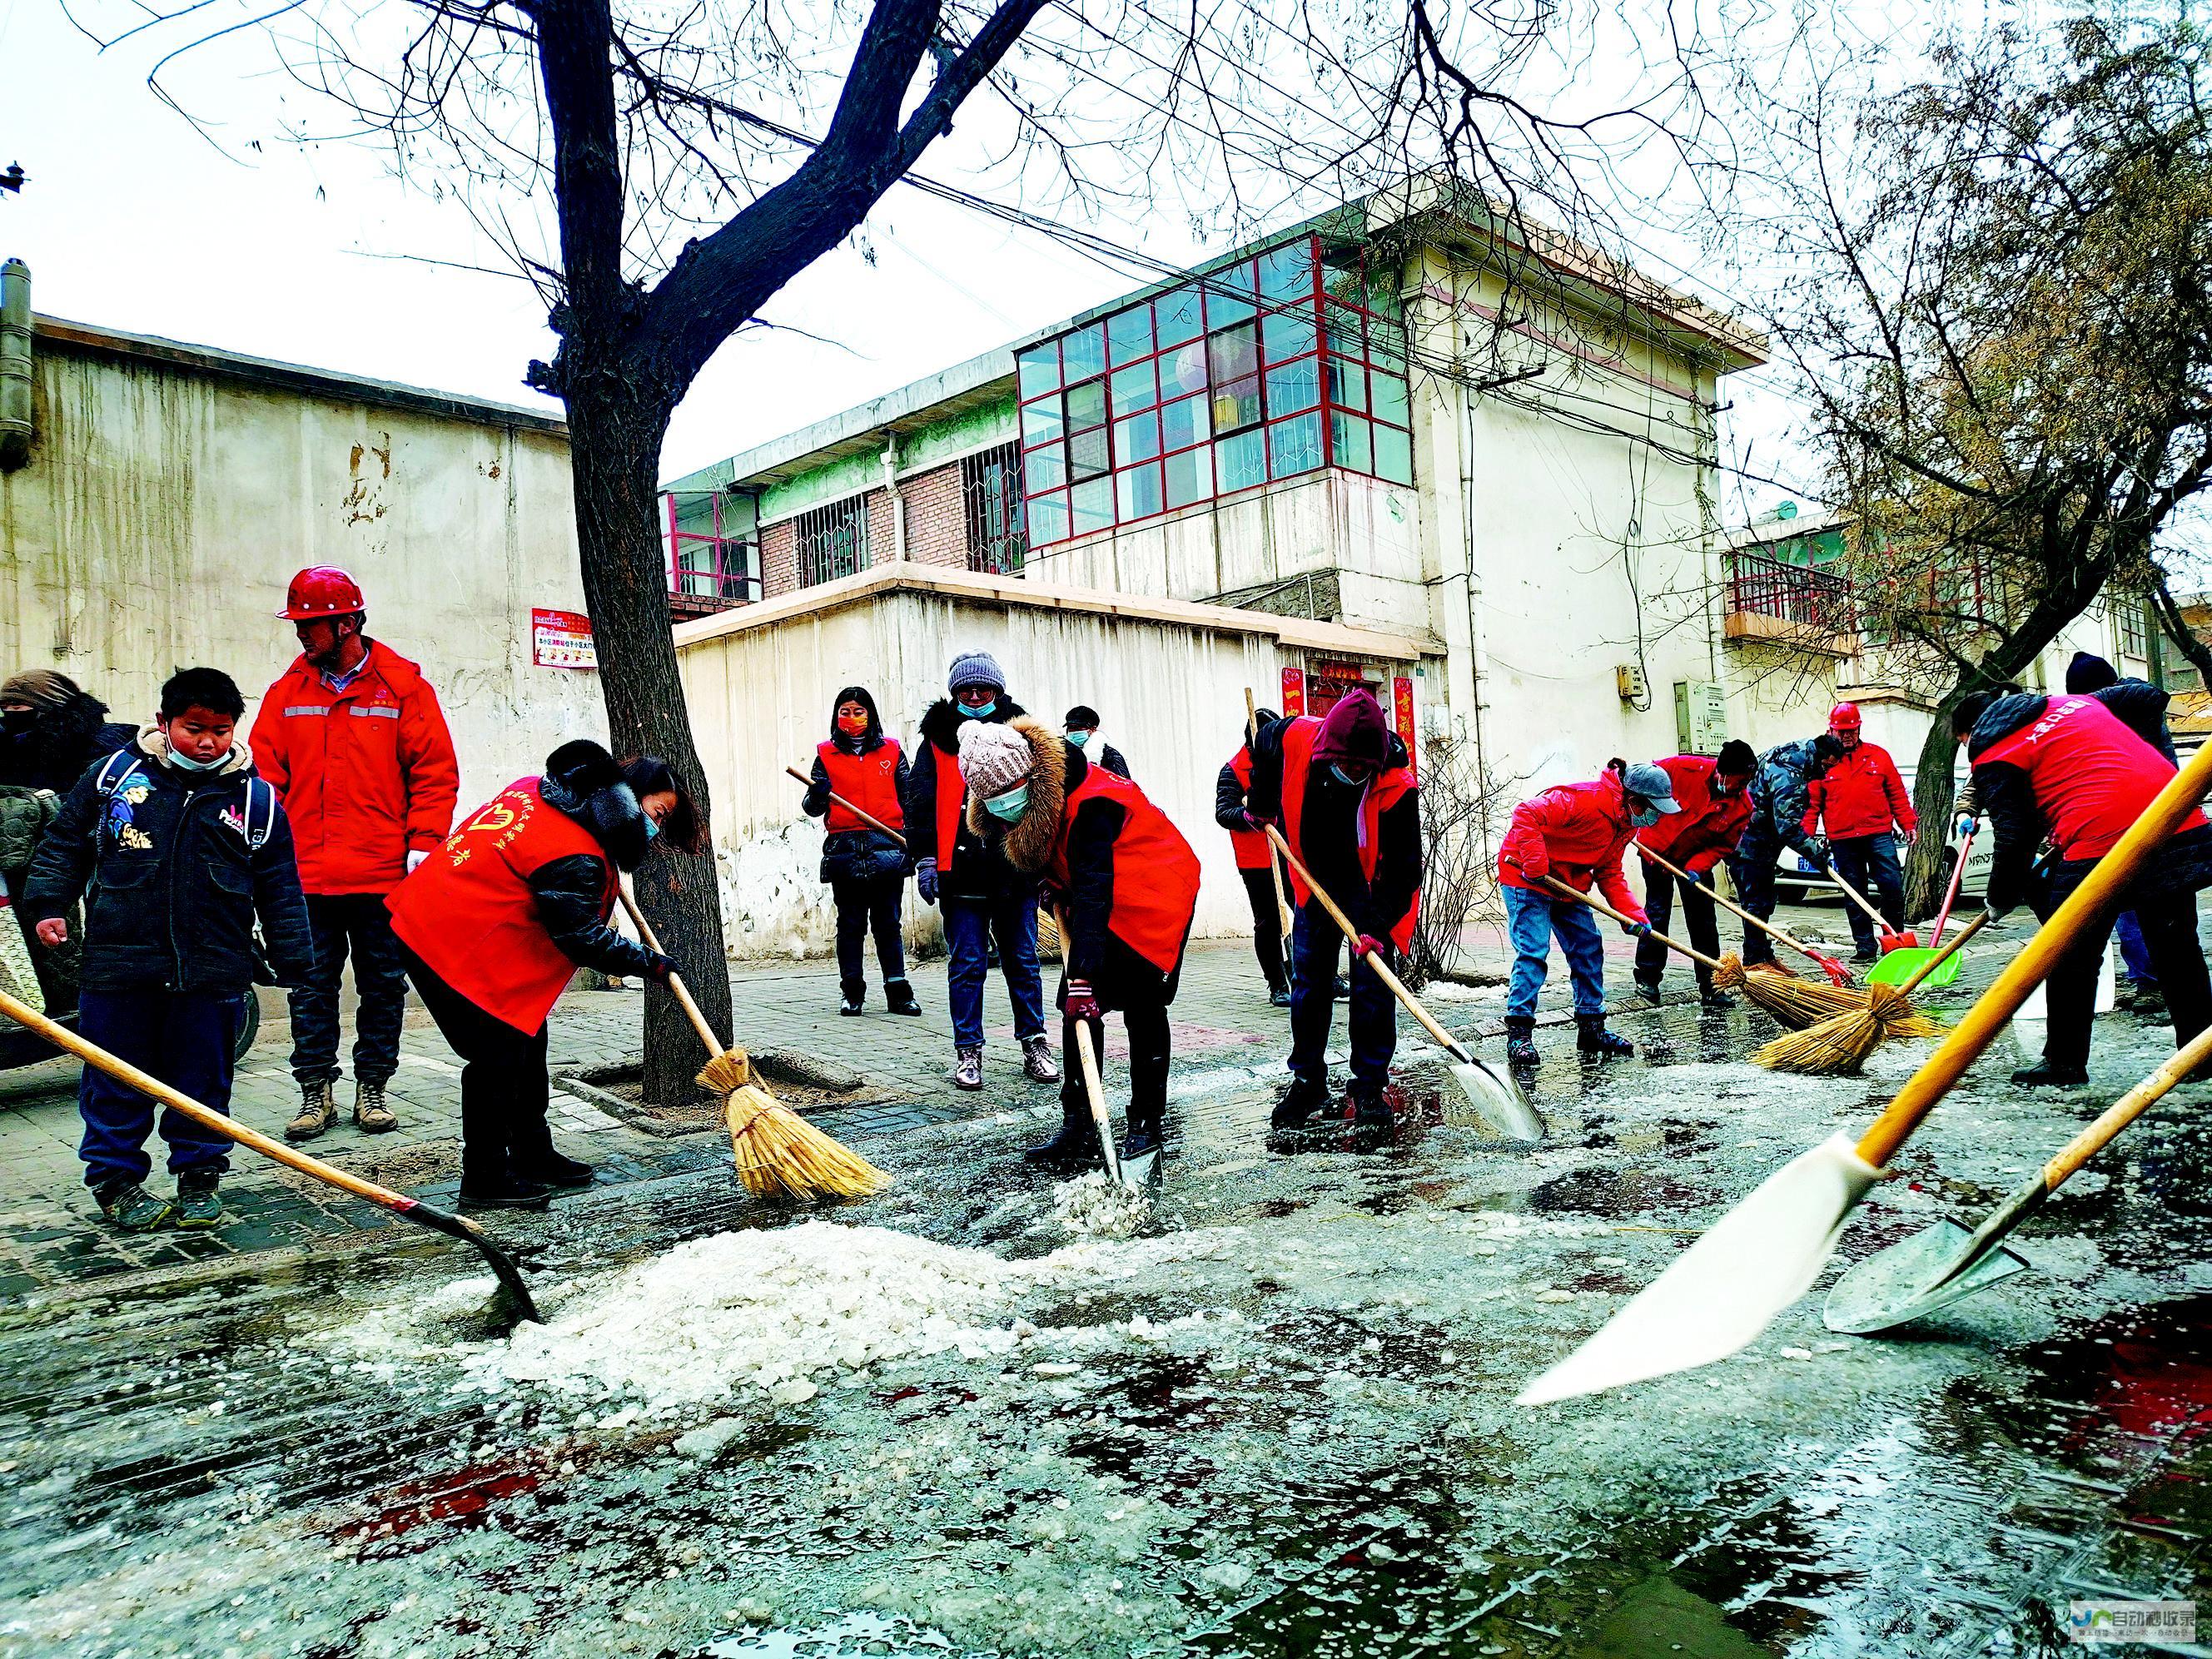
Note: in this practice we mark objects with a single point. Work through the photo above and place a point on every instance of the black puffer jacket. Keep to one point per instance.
(1328, 826)
(59, 743)
(979, 870)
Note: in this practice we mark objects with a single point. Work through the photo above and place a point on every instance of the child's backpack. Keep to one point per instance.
(119, 768)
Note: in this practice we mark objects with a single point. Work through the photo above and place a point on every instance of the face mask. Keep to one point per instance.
(15, 721)
(1010, 805)
(1349, 780)
(189, 764)
(983, 713)
(1077, 736)
(853, 725)
(652, 828)
(1644, 817)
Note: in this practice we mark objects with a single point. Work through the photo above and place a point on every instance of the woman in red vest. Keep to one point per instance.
(1232, 791)
(865, 868)
(495, 923)
(1129, 883)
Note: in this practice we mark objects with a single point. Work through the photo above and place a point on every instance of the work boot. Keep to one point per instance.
(968, 1068)
(1146, 1136)
(1867, 953)
(511, 1193)
(1074, 1144)
(1711, 996)
(898, 997)
(552, 1170)
(1036, 1060)
(1299, 1102)
(2044, 1075)
(1371, 1119)
(370, 1115)
(1520, 1041)
(855, 995)
(1648, 989)
(1342, 989)
(319, 1110)
(199, 1205)
(1279, 996)
(131, 1208)
(1592, 1038)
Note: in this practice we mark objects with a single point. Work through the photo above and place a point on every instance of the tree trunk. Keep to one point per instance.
(615, 451)
(1934, 794)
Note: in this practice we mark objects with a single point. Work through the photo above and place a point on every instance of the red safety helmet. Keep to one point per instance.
(320, 590)
(1844, 717)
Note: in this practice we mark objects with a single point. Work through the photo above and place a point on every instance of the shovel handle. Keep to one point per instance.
(877, 824)
(2126, 1109)
(1450, 1044)
(1727, 903)
(1274, 869)
(683, 992)
(1561, 889)
(1093, 1087)
(1979, 1025)
(1951, 893)
(1880, 921)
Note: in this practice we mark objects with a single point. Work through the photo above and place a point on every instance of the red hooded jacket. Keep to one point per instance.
(367, 773)
(1574, 833)
(1861, 794)
(1708, 827)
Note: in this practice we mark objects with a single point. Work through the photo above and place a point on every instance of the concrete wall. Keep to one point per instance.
(165, 508)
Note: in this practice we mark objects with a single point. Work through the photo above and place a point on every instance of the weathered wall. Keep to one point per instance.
(164, 510)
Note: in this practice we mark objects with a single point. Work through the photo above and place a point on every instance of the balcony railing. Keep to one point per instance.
(1791, 604)
(708, 570)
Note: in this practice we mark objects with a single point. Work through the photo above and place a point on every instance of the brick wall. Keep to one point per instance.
(882, 532)
(936, 517)
(779, 545)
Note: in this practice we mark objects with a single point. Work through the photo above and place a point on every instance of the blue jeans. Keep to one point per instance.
(1531, 920)
(183, 1039)
(970, 925)
(1315, 940)
(2134, 952)
(1869, 864)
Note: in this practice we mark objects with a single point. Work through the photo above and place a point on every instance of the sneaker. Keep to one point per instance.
(1279, 997)
(968, 1068)
(1037, 1061)
(319, 1110)
(512, 1194)
(898, 996)
(370, 1114)
(2044, 1075)
(199, 1203)
(1647, 990)
(1297, 1104)
(131, 1208)
(553, 1170)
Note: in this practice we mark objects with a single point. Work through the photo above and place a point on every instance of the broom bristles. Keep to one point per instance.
(779, 1154)
(1792, 1000)
(1841, 1044)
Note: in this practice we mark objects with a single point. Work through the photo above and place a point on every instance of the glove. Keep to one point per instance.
(661, 969)
(414, 858)
(1371, 946)
(1996, 913)
(1082, 1001)
(1968, 825)
(1253, 826)
(1817, 849)
(925, 880)
(1636, 929)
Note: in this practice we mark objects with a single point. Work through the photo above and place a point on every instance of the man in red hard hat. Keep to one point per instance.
(1854, 805)
(352, 734)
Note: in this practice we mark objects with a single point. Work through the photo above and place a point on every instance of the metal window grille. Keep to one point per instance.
(2131, 622)
(991, 485)
(1793, 593)
(829, 542)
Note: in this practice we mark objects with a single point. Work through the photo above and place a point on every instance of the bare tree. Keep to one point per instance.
(1464, 809)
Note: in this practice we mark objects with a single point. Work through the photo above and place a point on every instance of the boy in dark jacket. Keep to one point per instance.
(864, 867)
(182, 848)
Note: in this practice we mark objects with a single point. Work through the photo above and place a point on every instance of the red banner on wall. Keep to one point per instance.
(1294, 691)
(561, 639)
(1401, 706)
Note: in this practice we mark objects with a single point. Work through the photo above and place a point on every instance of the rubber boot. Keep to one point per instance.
(1297, 1104)
(1520, 1041)
(898, 996)
(854, 992)
(1076, 1143)
(1648, 989)
(1592, 1038)
(1372, 1123)
(1145, 1136)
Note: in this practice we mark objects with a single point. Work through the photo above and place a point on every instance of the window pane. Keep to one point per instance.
(1343, 276)
(1240, 462)
(1178, 316)
(1343, 330)
(1228, 296)
(1137, 491)
(1183, 369)
(1236, 406)
(1129, 333)
(1353, 439)
(1045, 469)
(1347, 384)
(1294, 446)
(1047, 519)
(1041, 369)
(1233, 352)
(1287, 334)
(1293, 386)
(1394, 455)
(1389, 398)
(1084, 352)
(1382, 294)
(1386, 345)
(1190, 477)
(1287, 271)
(1184, 423)
(1086, 454)
(1092, 506)
(1040, 421)
(1137, 438)
(1135, 388)
(1086, 406)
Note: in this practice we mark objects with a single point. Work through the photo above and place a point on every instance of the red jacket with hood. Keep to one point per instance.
(1574, 833)
(1859, 795)
(1708, 827)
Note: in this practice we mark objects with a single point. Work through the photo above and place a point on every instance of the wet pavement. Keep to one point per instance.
(1278, 1422)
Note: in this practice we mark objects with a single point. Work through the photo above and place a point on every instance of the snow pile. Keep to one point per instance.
(1095, 1206)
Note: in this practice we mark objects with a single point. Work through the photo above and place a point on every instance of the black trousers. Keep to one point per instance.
(357, 922)
(2168, 921)
(863, 906)
(1698, 919)
(504, 1087)
(1266, 924)
(1125, 983)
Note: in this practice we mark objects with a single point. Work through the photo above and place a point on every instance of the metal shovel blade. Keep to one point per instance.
(1726, 1288)
(1497, 1101)
(1914, 1278)
(1142, 1173)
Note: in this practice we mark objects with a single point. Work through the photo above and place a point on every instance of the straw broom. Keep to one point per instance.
(1842, 1044)
(778, 1153)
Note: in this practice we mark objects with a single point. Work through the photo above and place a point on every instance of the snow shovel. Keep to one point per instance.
(1891, 938)
(1138, 1174)
(1726, 1288)
(1946, 1263)
(877, 824)
(1900, 965)
(1834, 969)
(512, 1305)
(1497, 1101)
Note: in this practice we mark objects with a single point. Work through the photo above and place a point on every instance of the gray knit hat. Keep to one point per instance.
(975, 668)
(993, 758)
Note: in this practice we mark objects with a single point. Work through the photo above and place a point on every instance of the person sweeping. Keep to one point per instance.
(1781, 793)
(856, 766)
(1129, 884)
(1573, 834)
(1248, 841)
(1715, 796)
(1855, 803)
(495, 923)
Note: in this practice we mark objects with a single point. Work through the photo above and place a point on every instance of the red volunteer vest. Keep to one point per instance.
(870, 782)
(2092, 775)
(1387, 791)
(468, 912)
(1250, 846)
(1155, 871)
(951, 800)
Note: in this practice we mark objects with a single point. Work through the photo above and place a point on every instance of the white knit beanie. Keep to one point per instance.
(993, 758)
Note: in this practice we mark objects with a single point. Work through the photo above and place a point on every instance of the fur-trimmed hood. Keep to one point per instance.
(156, 748)
(1028, 842)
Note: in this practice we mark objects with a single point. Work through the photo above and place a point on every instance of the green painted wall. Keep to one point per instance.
(933, 446)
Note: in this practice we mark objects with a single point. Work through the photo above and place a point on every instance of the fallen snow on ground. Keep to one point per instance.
(1095, 1206)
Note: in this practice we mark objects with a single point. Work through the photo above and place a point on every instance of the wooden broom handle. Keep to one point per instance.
(1727, 903)
(1944, 954)
(2125, 1110)
(714, 1044)
(1858, 898)
(1599, 905)
(872, 824)
(1979, 1025)
(1275, 870)
(1381, 969)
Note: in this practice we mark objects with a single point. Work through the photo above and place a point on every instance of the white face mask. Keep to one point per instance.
(185, 763)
